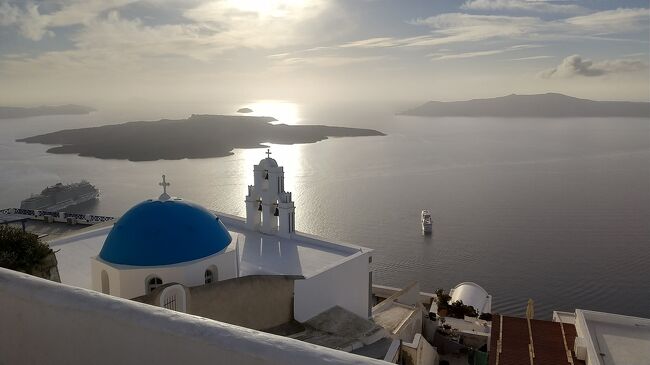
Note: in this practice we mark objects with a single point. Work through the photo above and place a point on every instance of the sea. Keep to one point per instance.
(556, 210)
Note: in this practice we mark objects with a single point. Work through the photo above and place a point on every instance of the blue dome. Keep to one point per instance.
(157, 232)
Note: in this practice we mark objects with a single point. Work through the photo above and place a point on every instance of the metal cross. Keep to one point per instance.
(268, 153)
(164, 184)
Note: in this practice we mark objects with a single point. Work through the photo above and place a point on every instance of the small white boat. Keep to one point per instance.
(427, 222)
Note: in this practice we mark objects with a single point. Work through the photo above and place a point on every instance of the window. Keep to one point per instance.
(211, 274)
(153, 283)
(105, 284)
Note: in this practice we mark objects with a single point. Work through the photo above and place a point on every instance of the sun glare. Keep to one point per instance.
(270, 8)
(285, 112)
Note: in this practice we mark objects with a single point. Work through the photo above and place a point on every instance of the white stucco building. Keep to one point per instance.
(472, 294)
(170, 240)
(607, 338)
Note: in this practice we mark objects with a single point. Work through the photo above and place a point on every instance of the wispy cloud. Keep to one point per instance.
(451, 56)
(575, 65)
(450, 28)
(323, 61)
(613, 21)
(541, 57)
(524, 5)
(637, 54)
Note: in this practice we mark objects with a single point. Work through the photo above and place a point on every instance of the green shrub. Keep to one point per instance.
(443, 299)
(486, 317)
(21, 251)
(459, 310)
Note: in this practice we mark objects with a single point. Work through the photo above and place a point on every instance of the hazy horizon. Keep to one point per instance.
(110, 54)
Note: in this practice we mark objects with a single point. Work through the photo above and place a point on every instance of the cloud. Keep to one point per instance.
(454, 28)
(374, 43)
(440, 57)
(575, 65)
(9, 14)
(323, 61)
(260, 24)
(531, 58)
(523, 5)
(613, 21)
(450, 56)
(109, 38)
(35, 25)
(219, 24)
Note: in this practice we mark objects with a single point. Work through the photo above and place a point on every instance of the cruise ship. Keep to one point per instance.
(59, 196)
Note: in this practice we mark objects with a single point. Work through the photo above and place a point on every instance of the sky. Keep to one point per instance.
(117, 51)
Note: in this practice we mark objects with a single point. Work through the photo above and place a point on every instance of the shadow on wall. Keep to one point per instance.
(259, 302)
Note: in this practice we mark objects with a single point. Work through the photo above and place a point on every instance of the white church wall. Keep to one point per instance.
(96, 268)
(44, 322)
(346, 284)
(130, 282)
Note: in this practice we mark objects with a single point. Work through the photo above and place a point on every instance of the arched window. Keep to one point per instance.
(105, 284)
(152, 283)
(211, 274)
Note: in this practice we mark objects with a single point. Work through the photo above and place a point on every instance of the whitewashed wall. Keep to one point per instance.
(129, 281)
(347, 285)
(42, 322)
(420, 351)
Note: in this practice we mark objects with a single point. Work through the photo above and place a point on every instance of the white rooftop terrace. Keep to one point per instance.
(304, 255)
(77, 326)
(610, 339)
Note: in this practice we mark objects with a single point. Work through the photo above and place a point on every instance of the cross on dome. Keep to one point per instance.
(268, 153)
(164, 184)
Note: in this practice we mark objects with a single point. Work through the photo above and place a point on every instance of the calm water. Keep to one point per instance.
(554, 210)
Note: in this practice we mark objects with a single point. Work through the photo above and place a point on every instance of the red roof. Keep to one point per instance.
(552, 342)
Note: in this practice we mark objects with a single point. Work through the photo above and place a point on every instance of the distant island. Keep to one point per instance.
(7, 112)
(549, 105)
(245, 110)
(199, 136)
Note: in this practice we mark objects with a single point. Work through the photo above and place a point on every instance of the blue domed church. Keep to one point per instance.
(163, 241)
(176, 254)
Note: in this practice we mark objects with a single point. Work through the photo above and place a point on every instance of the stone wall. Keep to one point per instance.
(47, 268)
(258, 302)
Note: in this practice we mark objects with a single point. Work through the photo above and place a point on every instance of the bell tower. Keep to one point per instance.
(269, 209)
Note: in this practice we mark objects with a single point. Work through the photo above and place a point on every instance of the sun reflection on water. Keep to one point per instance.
(284, 111)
